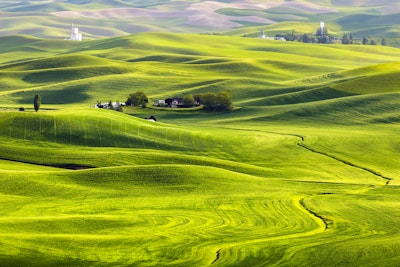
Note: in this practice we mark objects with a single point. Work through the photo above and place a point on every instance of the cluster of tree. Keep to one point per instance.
(188, 101)
(348, 39)
(137, 99)
(322, 36)
(210, 101)
(218, 102)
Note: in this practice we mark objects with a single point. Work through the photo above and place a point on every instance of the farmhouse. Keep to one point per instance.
(159, 103)
(112, 105)
(174, 102)
(264, 36)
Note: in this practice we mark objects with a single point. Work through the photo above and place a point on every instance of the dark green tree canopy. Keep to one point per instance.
(137, 99)
(220, 102)
(36, 102)
(345, 39)
(188, 101)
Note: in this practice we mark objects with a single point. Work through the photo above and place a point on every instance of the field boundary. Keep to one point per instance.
(303, 145)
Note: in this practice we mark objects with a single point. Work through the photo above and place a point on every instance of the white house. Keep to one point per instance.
(159, 103)
(264, 36)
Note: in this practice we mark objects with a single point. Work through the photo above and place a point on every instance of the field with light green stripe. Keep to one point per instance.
(303, 172)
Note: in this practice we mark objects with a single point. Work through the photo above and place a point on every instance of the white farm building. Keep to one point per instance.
(75, 34)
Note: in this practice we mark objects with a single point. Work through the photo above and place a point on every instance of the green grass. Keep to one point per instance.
(111, 69)
(303, 172)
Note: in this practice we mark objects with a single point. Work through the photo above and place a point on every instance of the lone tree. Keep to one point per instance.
(137, 99)
(36, 102)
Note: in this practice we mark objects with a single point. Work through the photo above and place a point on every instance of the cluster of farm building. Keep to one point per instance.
(176, 102)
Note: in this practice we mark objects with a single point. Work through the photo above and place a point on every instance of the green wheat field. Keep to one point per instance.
(305, 170)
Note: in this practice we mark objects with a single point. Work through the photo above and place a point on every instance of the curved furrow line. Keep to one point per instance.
(229, 250)
(327, 222)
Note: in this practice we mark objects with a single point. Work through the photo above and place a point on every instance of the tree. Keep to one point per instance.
(110, 105)
(137, 99)
(321, 32)
(345, 39)
(365, 41)
(208, 100)
(324, 39)
(212, 101)
(36, 102)
(383, 42)
(308, 38)
(372, 42)
(188, 101)
(224, 101)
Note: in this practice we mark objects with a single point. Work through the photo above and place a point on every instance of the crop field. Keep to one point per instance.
(303, 172)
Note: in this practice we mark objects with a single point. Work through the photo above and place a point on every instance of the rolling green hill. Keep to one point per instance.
(117, 18)
(303, 172)
(114, 68)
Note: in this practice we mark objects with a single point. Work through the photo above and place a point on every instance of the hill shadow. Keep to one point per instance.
(67, 95)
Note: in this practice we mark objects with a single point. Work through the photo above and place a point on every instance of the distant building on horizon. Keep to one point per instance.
(75, 34)
(264, 36)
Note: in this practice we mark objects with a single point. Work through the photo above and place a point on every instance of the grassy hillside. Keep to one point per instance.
(111, 69)
(303, 172)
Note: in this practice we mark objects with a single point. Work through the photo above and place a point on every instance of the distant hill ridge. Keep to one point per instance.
(301, 78)
(115, 18)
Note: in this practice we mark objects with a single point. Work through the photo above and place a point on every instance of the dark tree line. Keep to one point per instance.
(322, 36)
